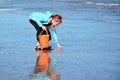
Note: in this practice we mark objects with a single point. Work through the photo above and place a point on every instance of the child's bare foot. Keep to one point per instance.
(38, 47)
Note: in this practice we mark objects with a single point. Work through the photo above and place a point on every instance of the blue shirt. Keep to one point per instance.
(43, 18)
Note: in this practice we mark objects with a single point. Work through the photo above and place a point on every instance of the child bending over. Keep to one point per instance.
(46, 21)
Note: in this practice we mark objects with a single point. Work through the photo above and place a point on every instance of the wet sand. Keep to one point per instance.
(90, 49)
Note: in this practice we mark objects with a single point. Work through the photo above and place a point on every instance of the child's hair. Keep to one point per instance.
(57, 16)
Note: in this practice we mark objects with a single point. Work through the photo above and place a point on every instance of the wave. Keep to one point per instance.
(8, 9)
(104, 4)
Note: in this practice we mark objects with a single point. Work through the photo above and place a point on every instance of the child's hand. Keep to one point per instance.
(59, 46)
(44, 28)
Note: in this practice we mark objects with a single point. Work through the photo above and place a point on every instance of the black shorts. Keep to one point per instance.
(39, 29)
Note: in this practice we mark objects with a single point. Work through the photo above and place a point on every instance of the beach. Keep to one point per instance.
(89, 35)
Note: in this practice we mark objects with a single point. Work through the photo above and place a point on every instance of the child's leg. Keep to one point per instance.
(37, 27)
(38, 46)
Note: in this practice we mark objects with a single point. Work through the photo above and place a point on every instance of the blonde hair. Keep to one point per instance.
(55, 16)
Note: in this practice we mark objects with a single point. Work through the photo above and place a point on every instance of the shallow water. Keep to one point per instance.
(89, 35)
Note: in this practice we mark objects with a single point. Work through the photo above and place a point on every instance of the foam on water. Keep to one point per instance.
(103, 4)
(10, 9)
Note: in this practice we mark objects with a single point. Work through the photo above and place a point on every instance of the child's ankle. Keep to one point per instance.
(37, 44)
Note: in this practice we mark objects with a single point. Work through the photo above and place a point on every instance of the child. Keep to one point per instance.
(46, 21)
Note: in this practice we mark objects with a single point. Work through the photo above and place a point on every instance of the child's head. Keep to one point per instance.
(56, 20)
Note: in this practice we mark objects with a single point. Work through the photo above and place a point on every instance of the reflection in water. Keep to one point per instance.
(44, 69)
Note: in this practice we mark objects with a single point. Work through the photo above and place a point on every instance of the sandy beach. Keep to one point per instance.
(90, 48)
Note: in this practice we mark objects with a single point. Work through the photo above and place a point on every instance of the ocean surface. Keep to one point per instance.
(103, 10)
(89, 34)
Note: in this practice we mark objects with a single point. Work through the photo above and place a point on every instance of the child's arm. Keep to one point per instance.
(59, 46)
(54, 34)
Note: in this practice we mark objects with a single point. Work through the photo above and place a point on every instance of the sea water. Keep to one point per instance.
(89, 35)
(104, 10)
